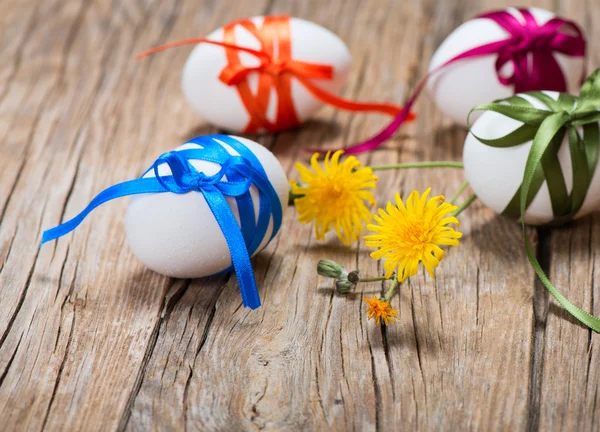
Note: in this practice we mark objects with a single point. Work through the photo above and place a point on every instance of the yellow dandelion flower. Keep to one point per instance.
(334, 196)
(407, 235)
(380, 310)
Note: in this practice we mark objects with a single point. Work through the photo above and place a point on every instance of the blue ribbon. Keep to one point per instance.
(241, 173)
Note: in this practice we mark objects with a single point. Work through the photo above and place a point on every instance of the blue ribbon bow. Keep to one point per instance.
(234, 179)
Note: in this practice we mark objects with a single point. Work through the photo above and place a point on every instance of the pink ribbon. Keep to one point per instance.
(525, 38)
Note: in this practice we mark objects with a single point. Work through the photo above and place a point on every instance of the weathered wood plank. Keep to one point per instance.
(437, 380)
(68, 333)
(92, 340)
(568, 372)
(348, 373)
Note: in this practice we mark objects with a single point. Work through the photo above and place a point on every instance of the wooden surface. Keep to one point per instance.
(91, 340)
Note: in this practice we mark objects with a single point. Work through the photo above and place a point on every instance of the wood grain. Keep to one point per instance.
(91, 340)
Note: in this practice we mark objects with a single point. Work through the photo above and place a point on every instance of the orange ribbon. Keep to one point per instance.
(275, 73)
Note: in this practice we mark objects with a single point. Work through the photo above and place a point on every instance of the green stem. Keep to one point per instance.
(439, 164)
(293, 197)
(460, 190)
(390, 292)
(464, 205)
(374, 279)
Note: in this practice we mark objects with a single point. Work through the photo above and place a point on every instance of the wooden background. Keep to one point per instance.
(91, 340)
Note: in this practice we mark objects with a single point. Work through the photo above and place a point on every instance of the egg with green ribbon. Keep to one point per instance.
(535, 155)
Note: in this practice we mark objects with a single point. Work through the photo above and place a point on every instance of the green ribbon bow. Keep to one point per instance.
(577, 117)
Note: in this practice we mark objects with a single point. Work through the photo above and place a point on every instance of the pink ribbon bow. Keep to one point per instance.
(525, 38)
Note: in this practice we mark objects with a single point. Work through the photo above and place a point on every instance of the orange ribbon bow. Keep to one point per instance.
(275, 73)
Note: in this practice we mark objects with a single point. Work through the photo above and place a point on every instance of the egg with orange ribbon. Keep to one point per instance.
(267, 73)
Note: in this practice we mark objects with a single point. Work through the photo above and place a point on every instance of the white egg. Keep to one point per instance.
(177, 234)
(221, 105)
(462, 85)
(495, 173)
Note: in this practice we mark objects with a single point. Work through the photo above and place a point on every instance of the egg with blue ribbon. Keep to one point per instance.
(202, 209)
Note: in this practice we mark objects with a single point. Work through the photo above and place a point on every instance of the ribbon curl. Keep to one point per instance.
(575, 117)
(525, 40)
(275, 73)
(234, 179)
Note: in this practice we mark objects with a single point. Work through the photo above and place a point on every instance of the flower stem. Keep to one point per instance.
(374, 279)
(460, 190)
(464, 205)
(439, 164)
(293, 197)
(390, 292)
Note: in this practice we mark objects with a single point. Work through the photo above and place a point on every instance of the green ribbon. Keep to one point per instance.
(576, 117)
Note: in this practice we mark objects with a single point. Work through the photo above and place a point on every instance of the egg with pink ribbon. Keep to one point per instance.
(500, 53)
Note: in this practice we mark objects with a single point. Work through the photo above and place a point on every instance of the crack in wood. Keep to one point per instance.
(65, 300)
(592, 256)
(12, 189)
(318, 383)
(414, 326)
(60, 369)
(255, 413)
(61, 273)
(438, 297)
(297, 292)
(153, 338)
(10, 361)
(477, 298)
(387, 355)
(540, 317)
(185, 325)
(9, 249)
(386, 347)
(186, 391)
(21, 299)
(71, 188)
(38, 232)
(190, 367)
(320, 352)
(342, 361)
(174, 299)
(378, 403)
(204, 337)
